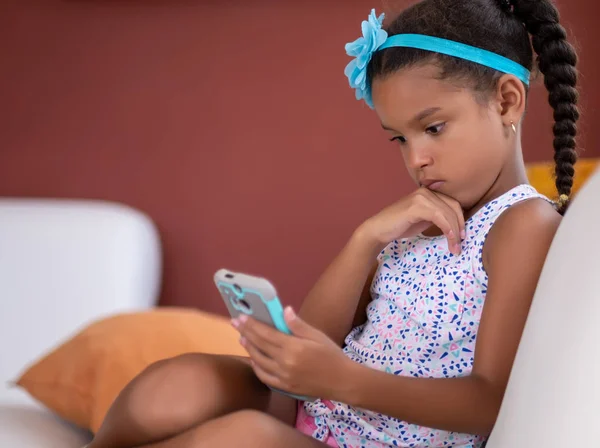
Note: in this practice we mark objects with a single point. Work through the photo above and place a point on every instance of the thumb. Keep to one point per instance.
(297, 326)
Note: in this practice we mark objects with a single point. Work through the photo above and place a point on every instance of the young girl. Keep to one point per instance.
(409, 336)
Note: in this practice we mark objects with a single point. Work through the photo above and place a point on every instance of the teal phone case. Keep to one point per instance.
(256, 297)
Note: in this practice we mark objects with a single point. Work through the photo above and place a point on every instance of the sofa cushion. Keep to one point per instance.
(80, 378)
(27, 424)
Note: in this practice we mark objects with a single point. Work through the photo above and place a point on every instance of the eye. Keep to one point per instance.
(400, 139)
(436, 129)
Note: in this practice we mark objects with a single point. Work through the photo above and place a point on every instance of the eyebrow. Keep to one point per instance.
(420, 116)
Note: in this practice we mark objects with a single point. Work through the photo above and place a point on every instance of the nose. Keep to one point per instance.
(418, 157)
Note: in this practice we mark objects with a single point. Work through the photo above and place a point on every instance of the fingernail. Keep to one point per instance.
(463, 234)
(457, 248)
(290, 312)
(243, 340)
(235, 323)
(243, 318)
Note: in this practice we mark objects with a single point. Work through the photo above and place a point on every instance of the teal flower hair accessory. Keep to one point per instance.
(375, 38)
(362, 50)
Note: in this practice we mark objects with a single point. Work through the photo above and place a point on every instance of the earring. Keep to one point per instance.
(514, 128)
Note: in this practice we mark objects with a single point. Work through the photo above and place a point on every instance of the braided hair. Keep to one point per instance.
(510, 28)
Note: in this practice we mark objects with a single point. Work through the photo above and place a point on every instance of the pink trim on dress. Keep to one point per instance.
(306, 425)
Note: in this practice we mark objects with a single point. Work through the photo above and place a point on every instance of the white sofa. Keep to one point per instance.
(64, 263)
(553, 396)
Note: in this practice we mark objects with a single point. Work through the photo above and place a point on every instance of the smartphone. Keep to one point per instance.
(255, 297)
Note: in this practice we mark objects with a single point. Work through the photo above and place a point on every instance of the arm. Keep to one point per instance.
(514, 254)
(336, 302)
(343, 290)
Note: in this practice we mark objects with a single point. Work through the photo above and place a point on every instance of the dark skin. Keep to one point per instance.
(459, 138)
(472, 148)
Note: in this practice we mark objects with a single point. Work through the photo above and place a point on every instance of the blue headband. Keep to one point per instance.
(375, 38)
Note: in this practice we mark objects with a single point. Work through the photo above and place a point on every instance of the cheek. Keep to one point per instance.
(493, 149)
(487, 146)
(474, 158)
(481, 171)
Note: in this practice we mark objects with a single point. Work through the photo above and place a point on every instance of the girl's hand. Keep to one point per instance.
(415, 213)
(305, 363)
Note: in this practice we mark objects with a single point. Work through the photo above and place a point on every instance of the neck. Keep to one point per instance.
(511, 175)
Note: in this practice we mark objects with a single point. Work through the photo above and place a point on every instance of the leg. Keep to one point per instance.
(175, 395)
(250, 429)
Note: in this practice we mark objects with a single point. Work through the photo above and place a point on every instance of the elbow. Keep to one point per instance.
(489, 410)
(485, 425)
(484, 420)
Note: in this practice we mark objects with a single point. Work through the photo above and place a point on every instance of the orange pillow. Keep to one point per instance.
(80, 379)
(541, 176)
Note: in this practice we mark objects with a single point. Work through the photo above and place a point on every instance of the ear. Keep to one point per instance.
(511, 99)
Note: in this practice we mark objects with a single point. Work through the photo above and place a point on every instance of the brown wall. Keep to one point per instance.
(230, 123)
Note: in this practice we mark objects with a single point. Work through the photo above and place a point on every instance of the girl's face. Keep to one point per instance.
(444, 134)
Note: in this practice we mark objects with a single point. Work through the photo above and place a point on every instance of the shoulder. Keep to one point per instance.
(526, 228)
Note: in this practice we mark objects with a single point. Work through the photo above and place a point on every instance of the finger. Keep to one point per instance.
(258, 331)
(444, 217)
(455, 219)
(262, 360)
(263, 344)
(299, 327)
(266, 377)
(460, 214)
(446, 224)
(449, 207)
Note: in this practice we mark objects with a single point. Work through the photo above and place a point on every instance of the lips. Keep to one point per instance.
(432, 184)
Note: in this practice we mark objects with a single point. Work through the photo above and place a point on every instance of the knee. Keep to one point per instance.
(168, 397)
(168, 389)
(181, 369)
(258, 428)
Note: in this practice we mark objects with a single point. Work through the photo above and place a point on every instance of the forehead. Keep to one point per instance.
(401, 95)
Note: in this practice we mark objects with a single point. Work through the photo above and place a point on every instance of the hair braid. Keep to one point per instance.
(557, 61)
